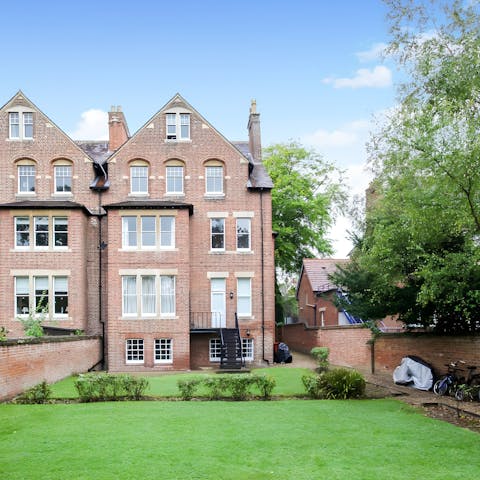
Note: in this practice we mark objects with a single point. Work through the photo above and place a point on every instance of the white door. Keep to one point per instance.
(217, 302)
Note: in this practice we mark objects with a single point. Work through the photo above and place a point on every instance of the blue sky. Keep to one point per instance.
(311, 66)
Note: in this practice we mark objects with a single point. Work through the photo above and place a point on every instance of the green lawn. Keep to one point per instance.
(287, 439)
(289, 383)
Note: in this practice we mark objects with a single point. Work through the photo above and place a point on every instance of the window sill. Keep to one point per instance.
(217, 252)
(245, 317)
(139, 194)
(62, 194)
(214, 196)
(174, 195)
(149, 250)
(167, 362)
(178, 140)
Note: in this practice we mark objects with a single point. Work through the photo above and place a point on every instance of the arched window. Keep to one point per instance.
(26, 173)
(139, 177)
(62, 170)
(174, 174)
(214, 177)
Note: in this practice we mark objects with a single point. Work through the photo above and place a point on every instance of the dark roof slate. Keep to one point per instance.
(318, 270)
(96, 150)
(60, 204)
(154, 204)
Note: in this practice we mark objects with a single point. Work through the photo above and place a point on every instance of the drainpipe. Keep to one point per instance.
(101, 247)
(263, 277)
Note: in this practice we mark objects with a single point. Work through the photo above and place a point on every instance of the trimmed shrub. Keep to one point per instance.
(239, 386)
(265, 384)
(188, 387)
(342, 383)
(216, 386)
(320, 354)
(40, 393)
(312, 386)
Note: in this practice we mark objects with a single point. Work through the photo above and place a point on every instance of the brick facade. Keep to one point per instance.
(125, 182)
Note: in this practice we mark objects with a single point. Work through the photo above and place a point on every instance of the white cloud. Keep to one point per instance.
(375, 53)
(378, 77)
(93, 125)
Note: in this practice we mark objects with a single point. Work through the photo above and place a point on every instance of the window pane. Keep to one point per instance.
(149, 297)
(167, 295)
(41, 231)
(214, 179)
(28, 125)
(22, 298)
(139, 179)
(218, 235)
(148, 231)
(22, 231)
(171, 126)
(14, 125)
(129, 295)
(163, 350)
(26, 178)
(41, 294)
(60, 285)
(185, 125)
(243, 233)
(129, 231)
(215, 349)
(167, 231)
(134, 350)
(174, 179)
(244, 300)
(60, 231)
(63, 178)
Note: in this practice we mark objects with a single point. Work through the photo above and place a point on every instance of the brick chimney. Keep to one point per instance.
(254, 138)
(118, 132)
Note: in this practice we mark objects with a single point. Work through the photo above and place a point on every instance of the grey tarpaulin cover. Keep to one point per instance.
(413, 371)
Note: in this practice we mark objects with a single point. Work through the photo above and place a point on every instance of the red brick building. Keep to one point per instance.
(161, 241)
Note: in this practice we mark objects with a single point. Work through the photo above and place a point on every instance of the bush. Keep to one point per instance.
(320, 354)
(342, 383)
(216, 386)
(188, 387)
(312, 386)
(239, 386)
(265, 384)
(40, 393)
(94, 387)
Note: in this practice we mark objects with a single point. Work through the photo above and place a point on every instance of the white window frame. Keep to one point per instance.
(39, 221)
(173, 173)
(163, 347)
(135, 347)
(167, 229)
(244, 284)
(126, 232)
(26, 294)
(175, 124)
(214, 180)
(144, 296)
(137, 189)
(248, 234)
(221, 221)
(63, 176)
(248, 351)
(20, 124)
(127, 294)
(27, 121)
(144, 232)
(19, 232)
(14, 124)
(215, 349)
(168, 297)
(29, 174)
(56, 221)
(52, 233)
(56, 292)
(163, 234)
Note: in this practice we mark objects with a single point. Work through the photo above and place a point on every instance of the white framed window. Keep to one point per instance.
(149, 295)
(129, 295)
(60, 296)
(22, 232)
(26, 179)
(167, 295)
(244, 297)
(215, 349)
(140, 294)
(214, 180)
(243, 234)
(60, 232)
(174, 183)
(167, 232)
(27, 125)
(178, 126)
(134, 350)
(247, 349)
(41, 231)
(14, 124)
(63, 178)
(41, 294)
(129, 232)
(217, 234)
(163, 352)
(22, 296)
(139, 179)
(148, 232)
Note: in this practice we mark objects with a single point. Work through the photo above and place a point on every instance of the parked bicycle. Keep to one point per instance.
(449, 383)
(469, 390)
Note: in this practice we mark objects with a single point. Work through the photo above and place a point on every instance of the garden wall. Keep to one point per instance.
(350, 346)
(25, 363)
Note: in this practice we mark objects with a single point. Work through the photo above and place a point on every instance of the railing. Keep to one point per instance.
(205, 320)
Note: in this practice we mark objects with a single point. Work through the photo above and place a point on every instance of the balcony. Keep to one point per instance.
(207, 321)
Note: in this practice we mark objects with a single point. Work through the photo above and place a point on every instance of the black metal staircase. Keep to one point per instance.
(231, 356)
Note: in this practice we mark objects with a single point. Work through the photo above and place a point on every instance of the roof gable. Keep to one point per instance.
(317, 271)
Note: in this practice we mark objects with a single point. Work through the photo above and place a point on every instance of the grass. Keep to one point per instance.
(288, 380)
(291, 439)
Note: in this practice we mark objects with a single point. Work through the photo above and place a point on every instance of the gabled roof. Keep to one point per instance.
(317, 271)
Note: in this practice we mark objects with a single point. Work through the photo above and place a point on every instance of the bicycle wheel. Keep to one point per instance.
(440, 387)
(460, 394)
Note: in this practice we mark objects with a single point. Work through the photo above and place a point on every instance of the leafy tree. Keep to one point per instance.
(304, 199)
(419, 255)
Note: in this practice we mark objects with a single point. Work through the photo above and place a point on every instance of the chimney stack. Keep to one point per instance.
(118, 132)
(254, 138)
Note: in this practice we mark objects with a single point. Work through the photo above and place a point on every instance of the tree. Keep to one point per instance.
(304, 200)
(419, 255)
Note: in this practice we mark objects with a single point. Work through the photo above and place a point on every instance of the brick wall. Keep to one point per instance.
(350, 346)
(23, 365)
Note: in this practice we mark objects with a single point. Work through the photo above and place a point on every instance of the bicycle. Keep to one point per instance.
(449, 382)
(471, 388)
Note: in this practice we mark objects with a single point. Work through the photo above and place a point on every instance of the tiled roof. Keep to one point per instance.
(318, 269)
(96, 150)
(61, 204)
(157, 204)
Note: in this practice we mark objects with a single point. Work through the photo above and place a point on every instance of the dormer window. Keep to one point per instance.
(178, 126)
(20, 125)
